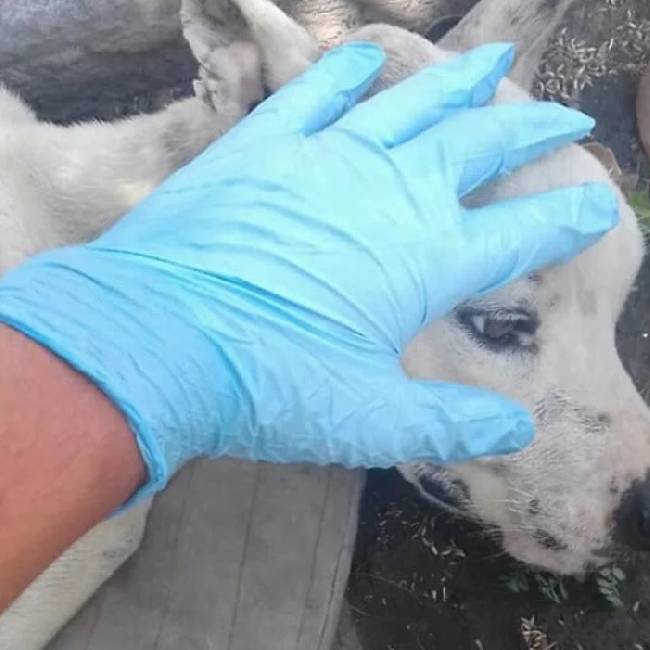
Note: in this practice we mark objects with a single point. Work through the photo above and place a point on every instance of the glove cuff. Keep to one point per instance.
(96, 311)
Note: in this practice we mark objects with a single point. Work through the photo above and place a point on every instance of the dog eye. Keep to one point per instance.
(500, 329)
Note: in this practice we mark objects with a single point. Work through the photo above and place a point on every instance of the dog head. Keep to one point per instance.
(548, 342)
(581, 490)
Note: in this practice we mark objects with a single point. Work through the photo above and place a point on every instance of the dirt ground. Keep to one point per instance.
(421, 581)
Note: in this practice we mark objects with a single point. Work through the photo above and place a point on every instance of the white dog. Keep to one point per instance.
(547, 341)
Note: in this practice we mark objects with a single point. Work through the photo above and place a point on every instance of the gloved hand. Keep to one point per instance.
(256, 304)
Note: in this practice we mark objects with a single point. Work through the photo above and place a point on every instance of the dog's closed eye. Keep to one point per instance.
(500, 329)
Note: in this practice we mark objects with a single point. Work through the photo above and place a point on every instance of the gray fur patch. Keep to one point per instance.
(632, 516)
(549, 6)
(595, 422)
(440, 488)
(555, 406)
(515, 19)
(177, 140)
(533, 507)
(605, 419)
(547, 541)
(553, 301)
(588, 302)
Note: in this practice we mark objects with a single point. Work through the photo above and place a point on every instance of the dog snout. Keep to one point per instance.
(632, 519)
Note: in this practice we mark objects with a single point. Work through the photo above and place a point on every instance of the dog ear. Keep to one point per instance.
(529, 24)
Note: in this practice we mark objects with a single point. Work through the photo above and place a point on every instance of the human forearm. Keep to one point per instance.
(68, 460)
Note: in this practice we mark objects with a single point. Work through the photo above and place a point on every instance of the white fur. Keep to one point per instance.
(57, 594)
(62, 185)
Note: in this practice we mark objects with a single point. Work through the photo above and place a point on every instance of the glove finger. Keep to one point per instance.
(501, 138)
(458, 423)
(322, 94)
(519, 236)
(399, 113)
(430, 422)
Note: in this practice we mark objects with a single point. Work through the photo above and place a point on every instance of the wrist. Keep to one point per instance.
(103, 316)
(68, 460)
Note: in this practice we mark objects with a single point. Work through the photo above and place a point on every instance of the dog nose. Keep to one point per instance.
(633, 518)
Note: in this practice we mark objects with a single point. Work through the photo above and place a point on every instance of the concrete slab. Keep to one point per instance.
(237, 556)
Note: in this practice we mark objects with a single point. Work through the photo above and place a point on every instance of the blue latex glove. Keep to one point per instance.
(256, 304)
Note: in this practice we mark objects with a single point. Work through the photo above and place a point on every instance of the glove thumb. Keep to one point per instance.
(445, 423)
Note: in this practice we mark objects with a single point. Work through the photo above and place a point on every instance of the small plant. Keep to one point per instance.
(552, 587)
(640, 202)
(534, 637)
(517, 582)
(608, 583)
(549, 586)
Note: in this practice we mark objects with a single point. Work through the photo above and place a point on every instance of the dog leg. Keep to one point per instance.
(285, 48)
(529, 24)
(229, 63)
(84, 177)
(280, 39)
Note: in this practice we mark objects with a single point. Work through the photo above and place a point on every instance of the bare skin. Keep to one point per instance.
(68, 460)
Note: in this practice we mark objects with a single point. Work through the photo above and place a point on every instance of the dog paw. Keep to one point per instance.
(231, 78)
(230, 75)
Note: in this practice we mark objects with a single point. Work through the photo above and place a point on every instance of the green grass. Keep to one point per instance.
(608, 583)
(550, 587)
(640, 202)
(555, 589)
